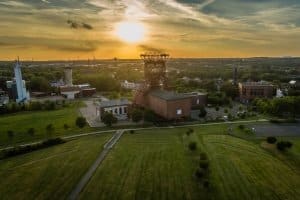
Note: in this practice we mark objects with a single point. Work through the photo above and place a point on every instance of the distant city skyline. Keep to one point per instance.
(82, 29)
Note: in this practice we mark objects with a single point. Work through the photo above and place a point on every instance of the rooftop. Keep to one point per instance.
(260, 83)
(114, 102)
(168, 95)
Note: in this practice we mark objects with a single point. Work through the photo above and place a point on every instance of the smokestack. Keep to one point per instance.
(68, 76)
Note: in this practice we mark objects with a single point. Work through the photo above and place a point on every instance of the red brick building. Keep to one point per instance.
(251, 90)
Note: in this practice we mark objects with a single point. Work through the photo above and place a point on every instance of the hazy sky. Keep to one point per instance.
(71, 29)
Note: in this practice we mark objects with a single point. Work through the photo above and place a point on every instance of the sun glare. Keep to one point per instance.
(130, 32)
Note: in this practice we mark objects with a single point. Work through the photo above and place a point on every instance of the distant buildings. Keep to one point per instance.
(119, 108)
(130, 85)
(4, 99)
(251, 90)
(17, 87)
(71, 91)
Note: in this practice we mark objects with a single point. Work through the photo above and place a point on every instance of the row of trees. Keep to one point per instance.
(33, 106)
(285, 106)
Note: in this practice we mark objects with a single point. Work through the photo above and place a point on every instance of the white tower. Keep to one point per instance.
(68, 76)
(21, 88)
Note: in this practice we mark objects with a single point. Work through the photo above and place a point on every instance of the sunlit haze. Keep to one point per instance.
(64, 29)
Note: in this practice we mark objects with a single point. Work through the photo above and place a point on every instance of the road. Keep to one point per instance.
(148, 128)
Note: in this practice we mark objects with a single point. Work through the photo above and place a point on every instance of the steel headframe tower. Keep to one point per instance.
(155, 69)
(20, 84)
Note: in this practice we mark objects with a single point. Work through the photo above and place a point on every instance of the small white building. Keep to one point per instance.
(130, 85)
(118, 107)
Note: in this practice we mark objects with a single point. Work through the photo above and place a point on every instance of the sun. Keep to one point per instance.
(131, 32)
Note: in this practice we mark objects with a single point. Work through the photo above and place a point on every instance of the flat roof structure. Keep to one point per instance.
(168, 95)
(113, 103)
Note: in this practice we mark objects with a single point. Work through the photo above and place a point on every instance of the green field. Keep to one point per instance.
(19, 123)
(49, 173)
(156, 164)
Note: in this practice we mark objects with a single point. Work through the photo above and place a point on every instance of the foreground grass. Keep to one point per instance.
(157, 165)
(242, 170)
(19, 123)
(146, 165)
(49, 173)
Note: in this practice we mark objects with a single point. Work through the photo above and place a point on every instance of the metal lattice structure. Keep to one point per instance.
(155, 70)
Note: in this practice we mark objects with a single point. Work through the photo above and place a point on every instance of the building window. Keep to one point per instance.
(120, 110)
(116, 110)
(179, 112)
(125, 109)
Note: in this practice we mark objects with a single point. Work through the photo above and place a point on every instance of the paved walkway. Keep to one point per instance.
(137, 129)
(86, 178)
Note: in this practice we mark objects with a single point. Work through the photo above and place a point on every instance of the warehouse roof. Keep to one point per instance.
(114, 102)
(168, 95)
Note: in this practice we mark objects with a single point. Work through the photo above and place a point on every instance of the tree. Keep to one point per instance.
(10, 134)
(204, 164)
(282, 145)
(149, 116)
(31, 131)
(81, 122)
(108, 119)
(192, 146)
(203, 112)
(49, 129)
(66, 126)
(137, 115)
(271, 140)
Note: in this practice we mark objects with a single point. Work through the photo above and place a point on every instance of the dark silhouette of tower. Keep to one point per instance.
(155, 70)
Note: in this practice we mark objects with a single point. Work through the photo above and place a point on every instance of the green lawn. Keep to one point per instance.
(146, 165)
(157, 165)
(19, 123)
(49, 173)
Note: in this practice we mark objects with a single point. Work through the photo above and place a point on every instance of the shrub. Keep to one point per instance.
(137, 115)
(192, 146)
(204, 164)
(80, 122)
(199, 173)
(271, 140)
(217, 108)
(206, 183)
(203, 112)
(131, 131)
(242, 126)
(283, 145)
(189, 131)
(66, 126)
(203, 156)
(31, 131)
(29, 148)
(108, 119)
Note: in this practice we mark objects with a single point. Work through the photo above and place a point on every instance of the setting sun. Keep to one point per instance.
(130, 32)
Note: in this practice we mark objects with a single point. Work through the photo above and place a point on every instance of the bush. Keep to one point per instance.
(66, 126)
(29, 148)
(189, 131)
(217, 108)
(192, 146)
(204, 164)
(206, 183)
(203, 112)
(31, 131)
(203, 156)
(283, 145)
(131, 131)
(242, 126)
(199, 173)
(80, 122)
(271, 140)
(108, 119)
(137, 115)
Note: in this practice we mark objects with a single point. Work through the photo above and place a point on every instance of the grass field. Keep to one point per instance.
(49, 173)
(158, 165)
(19, 123)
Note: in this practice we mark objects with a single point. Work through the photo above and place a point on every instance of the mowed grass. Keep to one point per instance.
(19, 123)
(156, 164)
(152, 164)
(49, 173)
(243, 170)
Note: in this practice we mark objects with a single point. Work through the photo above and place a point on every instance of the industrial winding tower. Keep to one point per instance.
(155, 74)
(155, 70)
